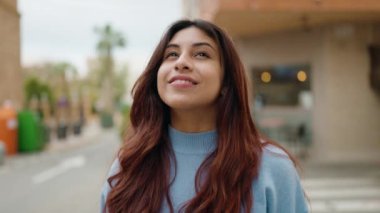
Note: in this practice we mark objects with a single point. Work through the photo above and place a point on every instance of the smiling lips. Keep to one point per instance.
(182, 82)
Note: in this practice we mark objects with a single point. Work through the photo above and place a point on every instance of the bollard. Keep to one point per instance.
(2, 152)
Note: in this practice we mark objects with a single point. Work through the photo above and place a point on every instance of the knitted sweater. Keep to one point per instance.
(277, 189)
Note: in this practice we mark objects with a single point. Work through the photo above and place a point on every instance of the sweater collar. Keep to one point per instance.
(193, 143)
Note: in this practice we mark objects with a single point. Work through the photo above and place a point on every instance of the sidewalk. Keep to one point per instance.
(342, 187)
(89, 132)
(55, 148)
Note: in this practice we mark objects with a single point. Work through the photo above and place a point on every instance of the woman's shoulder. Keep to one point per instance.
(276, 162)
(278, 172)
(278, 186)
(115, 167)
(275, 154)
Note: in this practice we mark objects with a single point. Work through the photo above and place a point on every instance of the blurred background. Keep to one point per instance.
(67, 67)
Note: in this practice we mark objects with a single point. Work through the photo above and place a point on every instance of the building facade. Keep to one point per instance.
(10, 65)
(327, 41)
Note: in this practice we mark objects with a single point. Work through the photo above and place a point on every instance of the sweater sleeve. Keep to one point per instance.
(106, 186)
(283, 191)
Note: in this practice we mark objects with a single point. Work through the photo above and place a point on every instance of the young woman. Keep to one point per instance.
(193, 146)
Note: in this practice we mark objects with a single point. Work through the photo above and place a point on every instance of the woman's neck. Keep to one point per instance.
(193, 120)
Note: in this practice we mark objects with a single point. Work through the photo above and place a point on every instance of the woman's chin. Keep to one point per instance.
(181, 104)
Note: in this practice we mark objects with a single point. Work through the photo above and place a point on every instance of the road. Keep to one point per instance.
(59, 182)
(70, 181)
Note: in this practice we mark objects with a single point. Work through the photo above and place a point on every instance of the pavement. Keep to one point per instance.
(331, 188)
(67, 176)
(57, 147)
(90, 131)
(342, 187)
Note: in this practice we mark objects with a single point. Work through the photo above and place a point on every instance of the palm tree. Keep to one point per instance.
(108, 40)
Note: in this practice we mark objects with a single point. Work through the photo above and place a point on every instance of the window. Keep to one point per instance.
(281, 85)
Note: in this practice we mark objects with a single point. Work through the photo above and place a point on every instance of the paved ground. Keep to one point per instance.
(64, 178)
(68, 175)
(343, 187)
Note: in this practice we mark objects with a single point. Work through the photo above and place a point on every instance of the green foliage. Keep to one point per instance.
(34, 88)
(105, 70)
(63, 69)
(47, 93)
(51, 81)
(109, 38)
(125, 111)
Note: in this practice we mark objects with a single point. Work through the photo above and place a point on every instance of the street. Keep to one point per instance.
(60, 182)
(70, 181)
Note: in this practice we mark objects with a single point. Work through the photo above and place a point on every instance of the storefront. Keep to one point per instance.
(311, 71)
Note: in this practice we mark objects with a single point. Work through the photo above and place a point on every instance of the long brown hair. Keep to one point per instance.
(224, 180)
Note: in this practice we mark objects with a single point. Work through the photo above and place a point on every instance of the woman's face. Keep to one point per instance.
(190, 75)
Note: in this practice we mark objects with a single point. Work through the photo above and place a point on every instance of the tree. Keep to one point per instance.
(55, 82)
(108, 40)
(36, 90)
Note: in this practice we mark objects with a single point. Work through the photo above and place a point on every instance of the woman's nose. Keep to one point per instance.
(183, 63)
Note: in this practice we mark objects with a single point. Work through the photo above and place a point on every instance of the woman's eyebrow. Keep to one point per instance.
(203, 44)
(172, 45)
(197, 44)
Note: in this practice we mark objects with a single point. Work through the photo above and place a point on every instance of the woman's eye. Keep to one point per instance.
(202, 55)
(171, 55)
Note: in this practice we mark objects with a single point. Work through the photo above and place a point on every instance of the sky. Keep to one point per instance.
(63, 30)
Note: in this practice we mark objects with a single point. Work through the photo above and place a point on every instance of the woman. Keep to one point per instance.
(193, 146)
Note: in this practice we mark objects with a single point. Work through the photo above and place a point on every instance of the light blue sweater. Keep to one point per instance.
(276, 190)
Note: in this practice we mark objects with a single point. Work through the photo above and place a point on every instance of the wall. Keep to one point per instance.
(346, 112)
(352, 116)
(10, 69)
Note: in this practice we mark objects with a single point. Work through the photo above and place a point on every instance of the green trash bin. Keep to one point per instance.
(30, 131)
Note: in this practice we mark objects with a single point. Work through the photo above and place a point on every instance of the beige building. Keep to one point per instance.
(10, 67)
(328, 39)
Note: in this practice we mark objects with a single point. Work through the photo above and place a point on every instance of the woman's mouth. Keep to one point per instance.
(182, 82)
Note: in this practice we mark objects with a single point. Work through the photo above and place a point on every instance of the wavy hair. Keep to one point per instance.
(224, 180)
